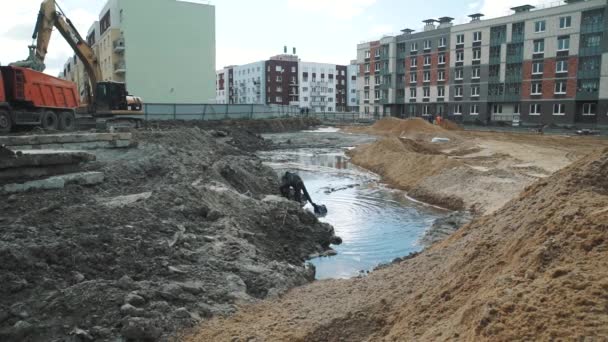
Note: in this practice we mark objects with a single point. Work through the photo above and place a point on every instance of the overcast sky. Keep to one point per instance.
(322, 30)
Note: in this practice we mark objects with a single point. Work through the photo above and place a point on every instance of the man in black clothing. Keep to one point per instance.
(291, 180)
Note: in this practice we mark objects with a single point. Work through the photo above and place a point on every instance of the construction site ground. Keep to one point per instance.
(532, 265)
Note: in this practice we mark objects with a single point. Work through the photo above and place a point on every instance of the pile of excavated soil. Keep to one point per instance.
(404, 164)
(417, 129)
(184, 227)
(536, 270)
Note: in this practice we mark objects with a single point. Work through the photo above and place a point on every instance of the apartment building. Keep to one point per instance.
(286, 80)
(161, 60)
(352, 98)
(539, 66)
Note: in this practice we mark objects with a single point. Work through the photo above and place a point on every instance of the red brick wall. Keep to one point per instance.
(526, 88)
(572, 66)
(548, 88)
(549, 69)
(527, 70)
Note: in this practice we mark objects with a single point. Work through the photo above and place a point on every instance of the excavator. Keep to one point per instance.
(30, 97)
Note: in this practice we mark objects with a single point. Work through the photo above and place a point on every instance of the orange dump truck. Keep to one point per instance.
(31, 98)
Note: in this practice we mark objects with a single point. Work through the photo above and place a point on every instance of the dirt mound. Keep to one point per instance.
(417, 129)
(184, 227)
(404, 163)
(450, 125)
(536, 270)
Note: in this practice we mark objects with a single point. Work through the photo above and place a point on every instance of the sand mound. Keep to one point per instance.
(450, 125)
(536, 270)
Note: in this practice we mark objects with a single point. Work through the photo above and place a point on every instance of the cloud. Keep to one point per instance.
(341, 9)
(380, 30)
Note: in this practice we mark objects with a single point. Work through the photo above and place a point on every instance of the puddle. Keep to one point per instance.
(376, 224)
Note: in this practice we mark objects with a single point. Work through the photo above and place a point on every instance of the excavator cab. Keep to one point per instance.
(111, 96)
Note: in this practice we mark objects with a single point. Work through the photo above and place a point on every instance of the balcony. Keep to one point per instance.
(385, 71)
(587, 95)
(494, 59)
(514, 78)
(401, 70)
(496, 98)
(512, 97)
(515, 59)
(119, 45)
(495, 41)
(402, 54)
(384, 100)
(590, 51)
(517, 37)
(586, 74)
(494, 79)
(592, 28)
(384, 55)
(385, 86)
(120, 68)
(400, 98)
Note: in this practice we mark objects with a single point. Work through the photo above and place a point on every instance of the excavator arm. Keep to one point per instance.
(49, 18)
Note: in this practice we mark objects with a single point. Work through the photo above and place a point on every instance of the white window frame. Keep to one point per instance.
(458, 74)
(561, 66)
(478, 53)
(458, 109)
(459, 56)
(540, 26)
(426, 92)
(426, 76)
(540, 43)
(566, 21)
(413, 77)
(458, 91)
(560, 42)
(427, 60)
(536, 88)
(537, 109)
(535, 71)
(414, 62)
(460, 39)
(474, 110)
(413, 93)
(561, 87)
(589, 106)
(427, 44)
(477, 36)
(440, 92)
(441, 75)
(476, 73)
(414, 47)
(561, 109)
(367, 68)
(368, 54)
(441, 59)
(443, 42)
(475, 91)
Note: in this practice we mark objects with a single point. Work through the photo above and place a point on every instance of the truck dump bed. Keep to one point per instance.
(36, 89)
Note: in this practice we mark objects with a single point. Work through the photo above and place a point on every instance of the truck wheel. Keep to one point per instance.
(5, 122)
(50, 121)
(67, 121)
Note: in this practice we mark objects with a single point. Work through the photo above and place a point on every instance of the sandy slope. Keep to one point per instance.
(536, 269)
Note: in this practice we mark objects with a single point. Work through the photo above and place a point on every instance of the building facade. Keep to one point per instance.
(160, 60)
(288, 81)
(546, 66)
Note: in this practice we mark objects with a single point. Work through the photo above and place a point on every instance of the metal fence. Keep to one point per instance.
(210, 112)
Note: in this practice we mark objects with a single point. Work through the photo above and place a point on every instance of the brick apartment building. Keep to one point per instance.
(286, 80)
(546, 66)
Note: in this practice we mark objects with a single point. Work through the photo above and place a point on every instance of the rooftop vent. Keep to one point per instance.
(408, 31)
(523, 8)
(429, 24)
(445, 22)
(476, 17)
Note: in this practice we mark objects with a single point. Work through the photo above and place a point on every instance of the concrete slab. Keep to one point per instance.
(43, 158)
(68, 138)
(54, 183)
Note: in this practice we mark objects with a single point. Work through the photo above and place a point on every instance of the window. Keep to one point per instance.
(366, 80)
(293, 69)
(474, 110)
(560, 87)
(476, 73)
(304, 89)
(426, 92)
(413, 77)
(279, 79)
(426, 110)
(458, 74)
(497, 109)
(538, 68)
(458, 109)
(458, 91)
(441, 75)
(377, 53)
(427, 76)
(565, 22)
(414, 47)
(440, 91)
(539, 46)
(279, 68)
(516, 109)
(589, 108)
(561, 66)
(475, 91)
(563, 43)
(368, 54)
(377, 80)
(477, 36)
(279, 99)
(460, 56)
(414, 62)
(427, 60)
(537, 88)
(460, 39)
(366, 95)
(535, 109)
(413, 92)
(441, 58)
(442, 41)
(540, 26)
(427, 44)
(559, 109)
(366, 69)
(477, 54)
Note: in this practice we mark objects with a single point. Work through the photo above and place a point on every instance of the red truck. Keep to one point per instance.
(28, 97)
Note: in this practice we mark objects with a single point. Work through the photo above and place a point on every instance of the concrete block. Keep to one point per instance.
(70, 138)
(54, 183)
(43, 158)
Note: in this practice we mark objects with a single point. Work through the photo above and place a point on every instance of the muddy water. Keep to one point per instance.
(377, 224)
